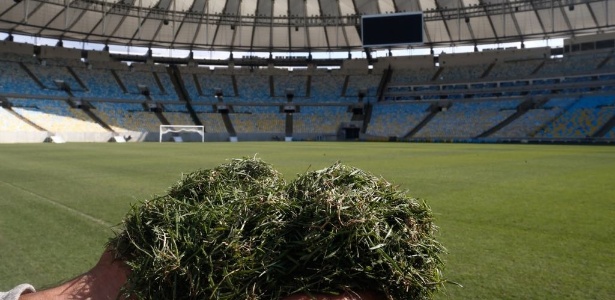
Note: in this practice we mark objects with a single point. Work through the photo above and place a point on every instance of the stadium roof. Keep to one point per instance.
(297, 25)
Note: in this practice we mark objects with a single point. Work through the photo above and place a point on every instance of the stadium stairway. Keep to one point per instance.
(605, 128)
(119, 81)
(27, 70)
(228, 124)
(182, 92)
(523, 108)
(86, 109)
(488, 70)
(158, 82)
(384, 82)
(76, 77)
(11, 111)
(367, 116)
(546, 124)
(606, 60)
(434, 110)
(235, 88)
(289, 125)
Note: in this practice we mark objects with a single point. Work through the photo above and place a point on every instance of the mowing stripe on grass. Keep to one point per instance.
(59, 205)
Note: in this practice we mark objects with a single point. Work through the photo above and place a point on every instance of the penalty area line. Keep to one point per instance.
(60, 205)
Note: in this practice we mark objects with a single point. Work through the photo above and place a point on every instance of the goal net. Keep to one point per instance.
(177, 133)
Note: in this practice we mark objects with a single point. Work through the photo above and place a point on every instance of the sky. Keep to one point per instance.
(160, 52)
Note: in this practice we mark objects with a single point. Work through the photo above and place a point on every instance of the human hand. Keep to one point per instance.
(349, 295)
(103, 282)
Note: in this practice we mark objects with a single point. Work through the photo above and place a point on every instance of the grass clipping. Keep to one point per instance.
(239, 231)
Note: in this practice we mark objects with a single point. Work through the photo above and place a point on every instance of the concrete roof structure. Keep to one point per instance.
(297, 25)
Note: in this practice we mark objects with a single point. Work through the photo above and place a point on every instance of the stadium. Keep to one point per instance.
(500, 113)
(498, 94)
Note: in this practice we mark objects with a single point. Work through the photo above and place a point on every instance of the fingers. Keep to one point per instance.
(349, 295)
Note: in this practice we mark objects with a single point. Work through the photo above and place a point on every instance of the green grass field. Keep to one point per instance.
(519, 221)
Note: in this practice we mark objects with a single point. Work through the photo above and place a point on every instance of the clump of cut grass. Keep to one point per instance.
(351, 230)
(209, 237)
(239, 231)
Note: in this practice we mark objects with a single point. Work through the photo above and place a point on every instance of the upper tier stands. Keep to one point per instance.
(211, 82)
(327, 87)
(295, 82)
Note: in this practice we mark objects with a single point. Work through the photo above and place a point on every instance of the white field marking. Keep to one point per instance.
(61, 206)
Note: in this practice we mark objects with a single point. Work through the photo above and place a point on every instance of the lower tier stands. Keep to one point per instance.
(258, 122)
(127, 116)
(177, 114)
(213, 122)
(533, 120)
(582, 119)
(11, 123)
(396, 119)
(324, 120)
(556, 118)
(55, 116)
(468, 119)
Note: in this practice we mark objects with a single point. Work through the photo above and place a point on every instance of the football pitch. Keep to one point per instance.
(519, 221)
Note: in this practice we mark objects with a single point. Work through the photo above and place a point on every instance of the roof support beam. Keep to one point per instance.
(290, 41)
(561, 8)
(271, 26)
(514, 19)
(542, 26)
(27, 12)
(254, 27)
(592, 14)
(51, 20)
(213, 40)
(237, 26)
(427, 35)
(325, 27)
(495, 33)
(83, 11)
(448, 31)
(467, 21)
(307, 32)
(11, 8)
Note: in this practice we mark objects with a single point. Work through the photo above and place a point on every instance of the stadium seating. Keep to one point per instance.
(296, 82)
(177, 114)
(582, 119)
(327, 88)
(101, 84)
(320, 119)
(468, 119)
(259, 123)
(253, 88)
(396, 119)
(11, 123)
(55, 116)
(572, 96)
(213, 122)
(127, 116)
(50, 72)
(210, 82)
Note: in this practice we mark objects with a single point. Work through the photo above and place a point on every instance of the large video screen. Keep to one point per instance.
(392, 29)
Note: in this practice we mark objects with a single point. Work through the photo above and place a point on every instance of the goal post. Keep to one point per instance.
(175, 130)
